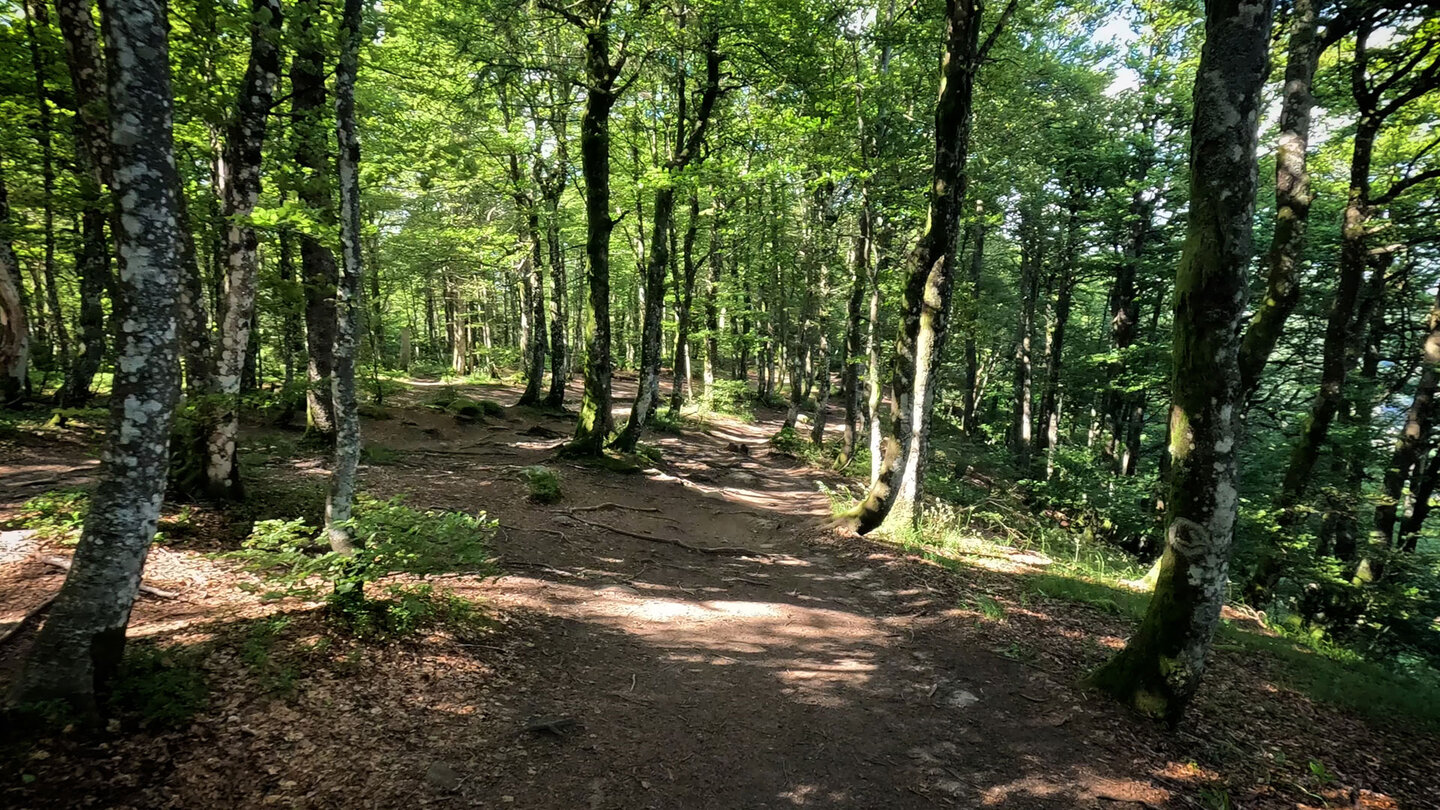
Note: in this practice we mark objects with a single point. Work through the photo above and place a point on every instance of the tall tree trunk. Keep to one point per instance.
(244, 147)
(14, 326)
(1022, 419)
(1342, 328)
(340, 498)
(687, 148)
(595, 417)
(894, 498)
(1055, 350)
(972, 347)
(854, 336)
(654, 292)
(1415, 434)
(1422, 489)
(559, 343)
(680, 391)
(87, 77)
(309, 115)
(1292, 195)
(80, 645)
(1161, 666)
(712, 303)
(44, 132)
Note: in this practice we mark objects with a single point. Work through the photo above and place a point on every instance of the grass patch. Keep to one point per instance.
(56, 516)
(544, 484)
(379, 455)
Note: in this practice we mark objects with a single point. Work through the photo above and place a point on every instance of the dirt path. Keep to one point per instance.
(814, 673)
(632, 669)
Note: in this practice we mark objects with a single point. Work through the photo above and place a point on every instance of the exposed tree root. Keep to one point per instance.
(727, 551)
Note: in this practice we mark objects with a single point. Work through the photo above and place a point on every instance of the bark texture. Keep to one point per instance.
(79, 647)
(894, 497)
(1161, 666)
(244, 146)
(92, 263)
(340, 498)
(1292, 194)
(14, 326)
(686, 150)
(308, 114)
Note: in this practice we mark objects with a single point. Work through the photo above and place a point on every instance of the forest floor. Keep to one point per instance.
(800, 668)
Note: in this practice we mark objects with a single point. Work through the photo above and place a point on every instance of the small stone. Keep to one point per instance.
(962, 699)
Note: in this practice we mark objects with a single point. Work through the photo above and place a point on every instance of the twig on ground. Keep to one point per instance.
(63, 563)
(718, 550)
(611, 505)
(562, 535)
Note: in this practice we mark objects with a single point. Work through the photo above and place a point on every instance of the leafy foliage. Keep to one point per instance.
(395, 538)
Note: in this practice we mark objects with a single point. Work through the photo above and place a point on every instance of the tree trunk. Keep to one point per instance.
(972, 348)
(1022, 419)
(680, 391)
(654, 290)
(340, 499)
(894, 499)
(687, 148)
(712, 303)
(1055, 350)
(1415, 435)
(309, 114)
(1160, 668)
(1292, 195)
(854, 349)
(80, 646)
(559, 344)
(244, 148)
(44, 126)
(595, 417)
(14, 326)
(1342, 328)
(92, 263)
(1422, 488)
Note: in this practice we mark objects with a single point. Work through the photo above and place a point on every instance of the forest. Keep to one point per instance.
(720, 403)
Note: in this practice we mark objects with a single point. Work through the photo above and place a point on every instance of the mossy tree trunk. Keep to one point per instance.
(688, 140)
(1160, 668)
(894, 497)
(1292, 194)
(81, 643)
(680, 390)
(601, 75)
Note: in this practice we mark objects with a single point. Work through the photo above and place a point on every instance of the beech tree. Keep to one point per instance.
(79, 647)
(894, 497)
(1160, 668)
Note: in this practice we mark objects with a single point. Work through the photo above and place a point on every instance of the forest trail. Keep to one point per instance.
(816, 672)
(798, 668)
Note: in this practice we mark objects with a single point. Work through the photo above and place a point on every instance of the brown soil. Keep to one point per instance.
(800, 668)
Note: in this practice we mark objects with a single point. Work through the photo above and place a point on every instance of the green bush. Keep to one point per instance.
(544, 484)
(408, 611)
(394, 538)
(729, 397)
